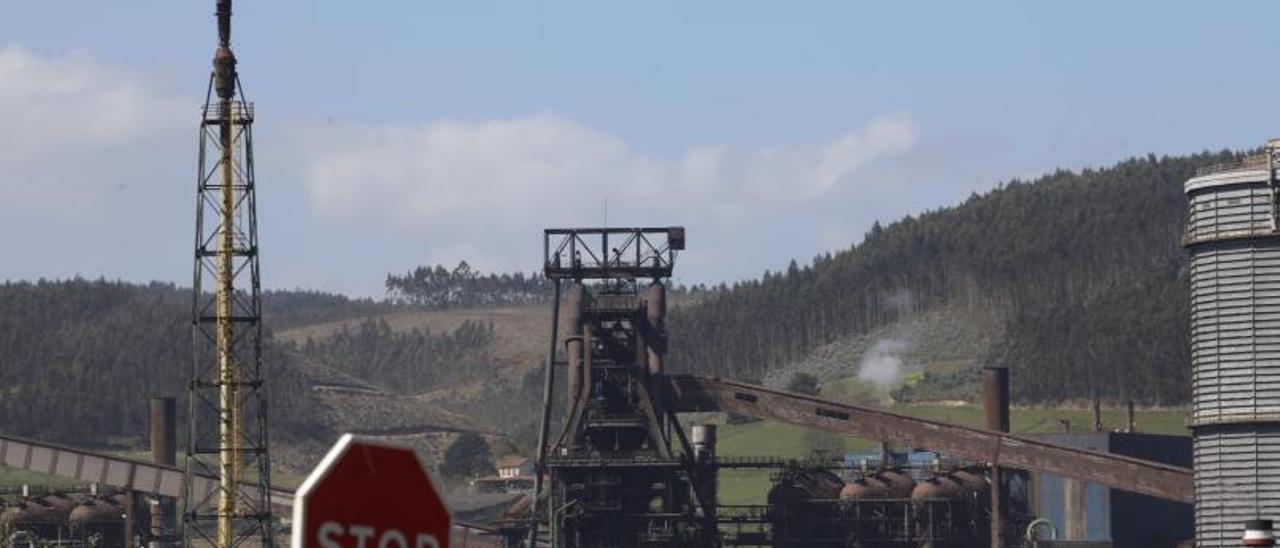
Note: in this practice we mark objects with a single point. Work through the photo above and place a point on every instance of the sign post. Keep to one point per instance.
(366, 494)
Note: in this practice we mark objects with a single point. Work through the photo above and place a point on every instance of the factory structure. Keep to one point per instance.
(620, 464)
(622, 471)
(1233, 237)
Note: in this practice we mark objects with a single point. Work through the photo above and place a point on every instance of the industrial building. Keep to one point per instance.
(622, 472)
(1233, 237)
(615, 466)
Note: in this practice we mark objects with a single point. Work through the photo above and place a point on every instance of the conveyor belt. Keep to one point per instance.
(694, 393)
(158, 479)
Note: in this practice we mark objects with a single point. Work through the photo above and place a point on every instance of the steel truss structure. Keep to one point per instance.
(228, 409)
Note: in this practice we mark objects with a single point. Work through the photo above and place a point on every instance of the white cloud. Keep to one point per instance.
(493, 185)
(76, 129)
(96, 169)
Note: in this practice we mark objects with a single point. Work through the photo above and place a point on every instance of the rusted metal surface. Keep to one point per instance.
(995, 398)
(164, 449)
(88, 466)
(693, 394)
(995, 408)
(150, 478)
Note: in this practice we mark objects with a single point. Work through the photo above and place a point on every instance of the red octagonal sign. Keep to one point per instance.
(369, 495)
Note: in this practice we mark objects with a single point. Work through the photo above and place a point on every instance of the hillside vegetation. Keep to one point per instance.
(1083, 272)
(1075, 280)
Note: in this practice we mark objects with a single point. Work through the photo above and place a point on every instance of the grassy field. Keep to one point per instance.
(787, 441)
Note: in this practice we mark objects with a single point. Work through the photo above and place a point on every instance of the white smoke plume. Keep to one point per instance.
(882, 365)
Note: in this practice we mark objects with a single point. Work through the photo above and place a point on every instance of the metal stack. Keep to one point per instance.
(1234, 244)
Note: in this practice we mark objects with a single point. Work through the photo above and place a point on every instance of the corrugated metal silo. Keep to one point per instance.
(1234, 244)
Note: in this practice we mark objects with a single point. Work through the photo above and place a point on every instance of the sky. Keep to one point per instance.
(397, 133)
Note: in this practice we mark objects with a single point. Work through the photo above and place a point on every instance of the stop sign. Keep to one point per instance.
(366, 494)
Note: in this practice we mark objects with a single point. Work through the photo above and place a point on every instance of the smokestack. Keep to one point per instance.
(224, 62)
(655, 301)
(163, 431)
(224, 23)
(995, 407)
(163, 451)
(1258, 532)
(995, 404)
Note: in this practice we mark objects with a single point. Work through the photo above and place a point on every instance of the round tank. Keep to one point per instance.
(98, 521)
(885, 484)
(955, 485)
(900, 485)
(62, 503)
(865, 487)
(972, 483)
(92, 513)
(1235, 345)
(938, 487)
(34, 515)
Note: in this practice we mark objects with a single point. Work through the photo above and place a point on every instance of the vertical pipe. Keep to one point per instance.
(1130, 420)
(228, 377)
(656, 312)
(995, 404)
(704, 454)
(574, 301)
(163, 431)
(548, 391)
(1076, 517)
(656, 340)
(995, 407)
(224, 76)
(163, 451)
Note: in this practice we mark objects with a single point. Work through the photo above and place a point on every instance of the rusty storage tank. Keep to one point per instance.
(99, 521)
(948, 510)
(1234, 245)
(804, 508)
(37, 516)
(885, 484)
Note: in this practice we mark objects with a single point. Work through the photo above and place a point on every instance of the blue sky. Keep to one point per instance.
(400, 132)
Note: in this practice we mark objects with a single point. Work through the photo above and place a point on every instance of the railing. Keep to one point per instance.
(1257, 161)
(240, 111)
(588, 253)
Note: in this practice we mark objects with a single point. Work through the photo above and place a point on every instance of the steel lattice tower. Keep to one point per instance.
(228, 433)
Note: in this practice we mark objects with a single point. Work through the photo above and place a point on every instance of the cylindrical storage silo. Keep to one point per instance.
(1235, 345)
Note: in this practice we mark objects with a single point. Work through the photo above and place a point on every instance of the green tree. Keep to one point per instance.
(468, 456)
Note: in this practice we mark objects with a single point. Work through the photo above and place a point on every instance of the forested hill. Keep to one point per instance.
(79, 359)
(1083, 269)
